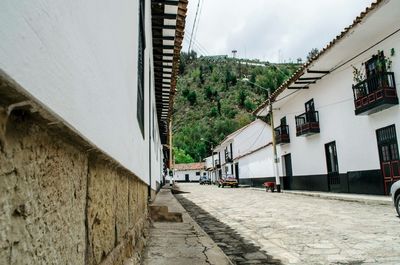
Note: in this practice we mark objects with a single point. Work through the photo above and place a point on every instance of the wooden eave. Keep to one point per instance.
(166, 56)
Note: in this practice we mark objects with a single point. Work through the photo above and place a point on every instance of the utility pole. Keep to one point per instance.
(212, 155)
(276, 168)
(213, 165)
(171, 158)
(271, 111)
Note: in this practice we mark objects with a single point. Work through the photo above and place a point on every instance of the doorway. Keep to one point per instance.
(310, 109)
(332, 166)
(388, 155)
(187, 177)
(288, 171)
(237, 171)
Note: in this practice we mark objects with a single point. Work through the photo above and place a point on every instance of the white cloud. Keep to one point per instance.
(269, 29)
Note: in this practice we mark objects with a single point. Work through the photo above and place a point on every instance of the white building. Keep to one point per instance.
(87, 87)
(104, 76)
(210, 167)
(344, 124)
(190, 172)
(247, 154)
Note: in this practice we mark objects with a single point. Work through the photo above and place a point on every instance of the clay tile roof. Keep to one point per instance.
(190, 166)
(302, 69)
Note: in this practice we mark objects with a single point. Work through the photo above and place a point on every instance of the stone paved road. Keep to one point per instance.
(295, 229)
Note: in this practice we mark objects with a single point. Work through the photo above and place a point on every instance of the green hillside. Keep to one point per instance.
(212, 101)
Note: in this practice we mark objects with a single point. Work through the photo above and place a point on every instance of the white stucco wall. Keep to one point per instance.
(245, 140)
(251, 138)
(209, 161)
(221, 151)
(156, 153)
(180, 175)
(355, 136)
(257, 165)
(79, 58)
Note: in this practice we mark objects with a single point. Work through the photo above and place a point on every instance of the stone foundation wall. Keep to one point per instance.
(63, 204)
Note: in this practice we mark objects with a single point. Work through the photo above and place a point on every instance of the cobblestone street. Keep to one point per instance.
(293, 229)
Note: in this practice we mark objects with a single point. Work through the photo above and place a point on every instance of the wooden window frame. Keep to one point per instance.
(141, 66)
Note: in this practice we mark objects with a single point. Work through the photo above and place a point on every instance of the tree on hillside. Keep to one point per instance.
(181, 157)
(299, 60)
(312, 53)
(241, 97)
(209, 93)
(185, 59)
(192, 97)
(211, 103)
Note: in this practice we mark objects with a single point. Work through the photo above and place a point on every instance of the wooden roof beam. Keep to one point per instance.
(317, 72)
(164, 16)
(165, 2)
(298, 87)
(309, 78)
(164, 27)
(305, 82)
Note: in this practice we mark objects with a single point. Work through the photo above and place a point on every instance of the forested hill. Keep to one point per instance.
(212, 101)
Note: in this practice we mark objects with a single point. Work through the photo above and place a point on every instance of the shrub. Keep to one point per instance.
(192, 97)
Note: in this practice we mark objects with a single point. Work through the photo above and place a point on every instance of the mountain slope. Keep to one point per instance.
(212, 101)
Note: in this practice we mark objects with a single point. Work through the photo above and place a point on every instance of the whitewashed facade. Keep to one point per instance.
(189, 172)
(210, 167)
(80, 60)
(247, 154)
(334, 132)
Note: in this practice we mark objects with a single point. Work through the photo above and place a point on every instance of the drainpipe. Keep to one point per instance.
(150, 117)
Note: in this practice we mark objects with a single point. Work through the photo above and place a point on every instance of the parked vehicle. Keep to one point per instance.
(395, 191)
(204, 180)
(228, 180)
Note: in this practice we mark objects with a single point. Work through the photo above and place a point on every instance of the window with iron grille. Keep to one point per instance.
(141, 49)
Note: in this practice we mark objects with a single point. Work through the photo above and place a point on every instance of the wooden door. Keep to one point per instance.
(388, 155)
(332, 166)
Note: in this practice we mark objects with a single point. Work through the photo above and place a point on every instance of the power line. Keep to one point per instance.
(194, 25)
(198, 20)
(198, 48)
(259, 135)
(339, 66)
(324, 106)
(198, 45)
(349, 60)
(286, 96)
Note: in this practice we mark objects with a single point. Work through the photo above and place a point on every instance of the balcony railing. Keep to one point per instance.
(217, 163)
(228, 157)
(307, 123)
(376, 93)
(282, 134)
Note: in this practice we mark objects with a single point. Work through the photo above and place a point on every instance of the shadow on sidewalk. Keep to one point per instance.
(237, 248)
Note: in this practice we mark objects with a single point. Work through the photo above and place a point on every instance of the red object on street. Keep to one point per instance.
(269, 185)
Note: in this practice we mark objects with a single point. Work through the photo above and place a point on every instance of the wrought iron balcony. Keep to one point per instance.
(228, 157)
(307, 123)
(282, 134)
(376, 93)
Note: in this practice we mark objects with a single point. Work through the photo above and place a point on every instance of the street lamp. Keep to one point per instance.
(277, 179)
(212, 155)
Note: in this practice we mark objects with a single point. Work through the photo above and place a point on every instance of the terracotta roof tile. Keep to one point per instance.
(190, 166)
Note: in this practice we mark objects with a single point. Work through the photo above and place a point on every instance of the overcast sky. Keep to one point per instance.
(269, 30)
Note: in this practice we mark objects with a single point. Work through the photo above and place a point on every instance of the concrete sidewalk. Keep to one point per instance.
(349, 197)
(180, 243)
